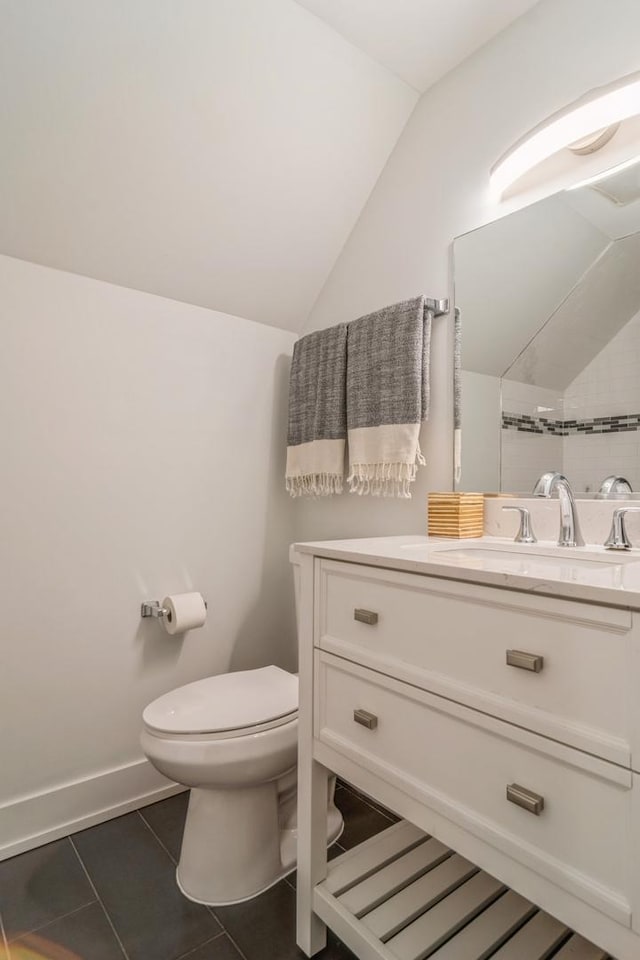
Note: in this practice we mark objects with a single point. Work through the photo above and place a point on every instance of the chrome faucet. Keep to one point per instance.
(570, 535)
(612, 486)
(618, 538)
(525, 532)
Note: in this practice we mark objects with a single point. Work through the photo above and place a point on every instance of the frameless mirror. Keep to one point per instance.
(550, 302)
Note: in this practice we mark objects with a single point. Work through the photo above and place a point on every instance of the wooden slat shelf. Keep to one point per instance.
(403, 895)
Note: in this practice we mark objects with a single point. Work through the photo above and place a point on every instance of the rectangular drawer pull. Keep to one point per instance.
(365, 616)
(527, 799)
(526, 661)
(368, 720)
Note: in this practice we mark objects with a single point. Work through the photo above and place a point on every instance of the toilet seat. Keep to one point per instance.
(229, 705)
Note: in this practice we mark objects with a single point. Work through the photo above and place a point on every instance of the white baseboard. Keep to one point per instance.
(30, 821)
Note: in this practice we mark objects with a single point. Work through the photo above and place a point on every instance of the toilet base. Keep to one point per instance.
(235, 845)
(231, 903)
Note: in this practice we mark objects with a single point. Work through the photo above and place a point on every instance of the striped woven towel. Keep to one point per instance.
(317, 414)
(387, 397)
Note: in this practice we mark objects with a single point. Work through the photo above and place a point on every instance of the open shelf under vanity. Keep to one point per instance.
(403, 895)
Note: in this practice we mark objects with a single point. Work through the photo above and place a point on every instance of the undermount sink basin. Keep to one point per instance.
(542, 560)
(550, 555)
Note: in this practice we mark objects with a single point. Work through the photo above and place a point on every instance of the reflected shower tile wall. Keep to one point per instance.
(528, 400)
(525, 455)
(608, 387)
(587, 464)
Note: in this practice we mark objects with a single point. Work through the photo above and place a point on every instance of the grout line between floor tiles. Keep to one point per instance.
(156, 837)
(241, 953)
(223, 929)
(63, 916)
(185, 956)
(99, 899)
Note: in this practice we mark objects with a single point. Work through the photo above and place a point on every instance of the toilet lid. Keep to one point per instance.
(230, 701)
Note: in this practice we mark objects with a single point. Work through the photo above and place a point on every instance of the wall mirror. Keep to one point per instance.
(550, 302)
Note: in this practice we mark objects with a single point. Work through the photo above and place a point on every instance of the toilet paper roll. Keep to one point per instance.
(184, 612)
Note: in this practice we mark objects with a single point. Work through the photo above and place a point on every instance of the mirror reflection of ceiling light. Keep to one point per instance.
(593, 119)
(606, 173)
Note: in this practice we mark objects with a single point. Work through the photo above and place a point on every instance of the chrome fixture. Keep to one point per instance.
(439, 308)
(570, 535)
(614, 485)
(525, 533)
(152, 608)
(618, 538)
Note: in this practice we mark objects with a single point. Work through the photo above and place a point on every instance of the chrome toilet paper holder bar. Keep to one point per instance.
(152, 608)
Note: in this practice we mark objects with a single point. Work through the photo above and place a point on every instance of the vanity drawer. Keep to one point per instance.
(453, 638)
(460, 763)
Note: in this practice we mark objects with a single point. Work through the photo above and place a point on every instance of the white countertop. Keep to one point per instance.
(589, 573)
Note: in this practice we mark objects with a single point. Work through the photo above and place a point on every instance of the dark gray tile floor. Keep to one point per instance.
(109, 893)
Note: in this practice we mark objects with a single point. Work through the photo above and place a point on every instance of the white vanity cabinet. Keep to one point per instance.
(501, 723)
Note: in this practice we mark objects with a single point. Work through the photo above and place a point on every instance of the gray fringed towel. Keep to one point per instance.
(387, 397)
(317, 414)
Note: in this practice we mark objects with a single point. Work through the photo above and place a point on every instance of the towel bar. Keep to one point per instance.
(438, 307)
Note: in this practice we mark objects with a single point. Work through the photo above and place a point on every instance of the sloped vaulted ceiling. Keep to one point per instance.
(419, 40)
(213, 151)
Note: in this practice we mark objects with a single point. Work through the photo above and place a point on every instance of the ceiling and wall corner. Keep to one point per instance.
(435, 187)
(216, 153)
(418, 40)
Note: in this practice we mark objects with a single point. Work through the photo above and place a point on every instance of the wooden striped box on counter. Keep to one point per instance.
(455, 515)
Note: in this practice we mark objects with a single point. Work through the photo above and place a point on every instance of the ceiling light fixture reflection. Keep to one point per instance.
(596, 111)
(606, 173)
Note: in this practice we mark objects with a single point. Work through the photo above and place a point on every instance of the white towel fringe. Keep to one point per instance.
(315, 485)
(384, 479)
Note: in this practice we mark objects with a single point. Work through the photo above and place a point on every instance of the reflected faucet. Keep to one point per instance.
(570, 535)
(612, 486)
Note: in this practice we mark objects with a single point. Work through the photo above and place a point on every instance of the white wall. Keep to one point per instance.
(435, 187)
(213, 151)
(142, 454)
(481, 432)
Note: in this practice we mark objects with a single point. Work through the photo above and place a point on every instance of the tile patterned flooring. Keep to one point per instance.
(109, 893)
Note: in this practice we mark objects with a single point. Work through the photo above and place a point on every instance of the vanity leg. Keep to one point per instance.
(313, 784)
(312, 776)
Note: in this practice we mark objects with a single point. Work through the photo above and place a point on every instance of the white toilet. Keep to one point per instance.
(233, 739)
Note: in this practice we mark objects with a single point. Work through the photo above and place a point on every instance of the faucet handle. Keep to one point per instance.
(525, 534)
(618, 538)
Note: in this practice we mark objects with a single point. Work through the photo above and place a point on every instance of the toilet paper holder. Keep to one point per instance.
(152, 608)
